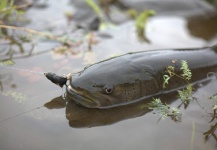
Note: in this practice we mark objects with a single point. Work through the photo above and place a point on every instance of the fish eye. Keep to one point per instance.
(108, 89)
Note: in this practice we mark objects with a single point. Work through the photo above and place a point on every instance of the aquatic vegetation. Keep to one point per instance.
(141, 18)
(31, 36)
(212, 1)
(186, 71)
(34, 32)
(170, 71)
(141, 22)
(18, 97)
(95, 7)
(132, 13)
(164, 110)
(214, 99)
(15, 36)
(186, 93)
(7, 63)
(10, 13)
(104, 24)
(211, 133)
(186, 75)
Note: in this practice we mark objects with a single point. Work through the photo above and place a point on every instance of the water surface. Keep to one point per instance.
(25, 123)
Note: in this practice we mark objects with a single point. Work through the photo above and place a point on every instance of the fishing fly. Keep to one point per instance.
(56, 79)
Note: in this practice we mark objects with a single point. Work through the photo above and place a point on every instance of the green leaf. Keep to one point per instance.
(186, 71)
(11, 3)
(164, 110)
(20, 12)
(214, 97)
(133, 13)
(3, 4)
(215, 107)
(166, 80)
(7, 62)
(186, 94)
(17, 96)
(141, 22)
(95, 7)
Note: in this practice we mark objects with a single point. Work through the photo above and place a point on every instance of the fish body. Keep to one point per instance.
(136, 76)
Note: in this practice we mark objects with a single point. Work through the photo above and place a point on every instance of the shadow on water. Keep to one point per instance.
(82, 117)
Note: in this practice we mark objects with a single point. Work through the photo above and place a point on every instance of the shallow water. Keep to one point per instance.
(33, 115)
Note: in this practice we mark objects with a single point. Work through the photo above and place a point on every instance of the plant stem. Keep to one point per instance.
(16, 7)
(192, 136)
(49, 36)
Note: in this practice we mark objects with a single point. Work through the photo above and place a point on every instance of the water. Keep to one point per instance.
(20, 69)
(36, 117)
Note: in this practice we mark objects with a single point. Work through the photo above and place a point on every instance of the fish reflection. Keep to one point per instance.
(82, 117)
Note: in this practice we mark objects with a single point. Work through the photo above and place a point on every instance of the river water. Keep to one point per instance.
(33, 114)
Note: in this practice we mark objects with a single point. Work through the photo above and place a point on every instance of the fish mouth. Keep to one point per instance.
(80, 98)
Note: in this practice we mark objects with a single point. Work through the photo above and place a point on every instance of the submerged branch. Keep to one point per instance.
(16, 7)
(49, 36)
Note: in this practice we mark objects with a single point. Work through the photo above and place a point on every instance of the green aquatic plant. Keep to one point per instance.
(214, 99)
(211, 133)
(95, 7)
(104, 24)
(132, 13)
(11, 13)
(167, 77)
(7, 63)
(185, 94)
(17, 36)
(186, 71)
(141, 22)
(31, 35)
(164, 110)
(212, 1)
(17, 96)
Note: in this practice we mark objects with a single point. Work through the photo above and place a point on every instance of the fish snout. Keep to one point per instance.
(80, 98)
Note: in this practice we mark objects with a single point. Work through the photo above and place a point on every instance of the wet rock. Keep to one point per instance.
(84, 16)
(21, 2)
(171, 7)
(203, 27)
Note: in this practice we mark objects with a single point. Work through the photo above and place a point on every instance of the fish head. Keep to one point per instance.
(95, 92)
(104, 86)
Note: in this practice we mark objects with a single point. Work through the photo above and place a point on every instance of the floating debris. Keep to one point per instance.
(17, 96)
(7, 63)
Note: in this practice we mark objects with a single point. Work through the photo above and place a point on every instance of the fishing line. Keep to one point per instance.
(21, 114)
(35, 72)
(38, 107)
(20, 69)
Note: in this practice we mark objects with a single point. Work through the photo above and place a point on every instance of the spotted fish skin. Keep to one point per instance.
(135, 76)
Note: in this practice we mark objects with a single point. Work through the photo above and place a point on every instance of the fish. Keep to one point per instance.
(137, 76)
